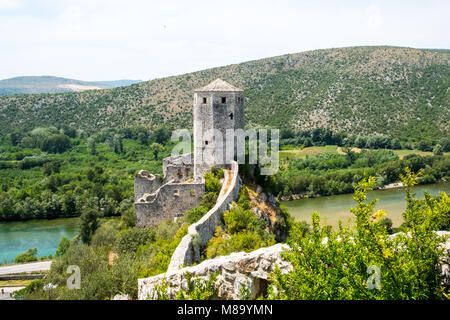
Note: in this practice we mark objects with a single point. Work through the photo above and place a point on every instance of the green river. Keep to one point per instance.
(17, 237)
(334, 208)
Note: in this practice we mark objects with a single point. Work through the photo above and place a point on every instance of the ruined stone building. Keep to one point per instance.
(218, 107)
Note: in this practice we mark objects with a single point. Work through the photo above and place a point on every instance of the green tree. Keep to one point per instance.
(438, 150)
(89, 222)
(63, 245)
(156, 149)
(91, 145)
(56, 143)
(161, 135)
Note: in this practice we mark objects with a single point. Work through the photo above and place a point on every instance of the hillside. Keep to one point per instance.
(50, 84)
(399, 91)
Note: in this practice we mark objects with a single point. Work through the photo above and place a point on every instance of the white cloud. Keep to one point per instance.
(7, 4)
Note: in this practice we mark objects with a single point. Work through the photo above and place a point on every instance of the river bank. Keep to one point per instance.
(394, 185)
(337, 207)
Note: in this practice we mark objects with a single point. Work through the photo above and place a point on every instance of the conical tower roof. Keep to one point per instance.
(218, 85)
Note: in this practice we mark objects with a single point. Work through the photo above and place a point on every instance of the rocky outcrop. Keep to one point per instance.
(236, 273)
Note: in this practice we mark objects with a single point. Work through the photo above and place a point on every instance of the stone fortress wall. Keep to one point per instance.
(179, 168)
(235, 271)
(199, 233)
(159, 199)
(169, 201)
(145, 182)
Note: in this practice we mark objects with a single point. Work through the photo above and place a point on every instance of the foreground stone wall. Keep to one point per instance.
(199, 233)
(238, 270)
(170, 201)
(249, 270)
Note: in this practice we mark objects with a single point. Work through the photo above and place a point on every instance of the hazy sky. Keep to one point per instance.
(133, 39)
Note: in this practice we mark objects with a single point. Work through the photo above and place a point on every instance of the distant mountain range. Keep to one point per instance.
(50, 84)
(403, 92)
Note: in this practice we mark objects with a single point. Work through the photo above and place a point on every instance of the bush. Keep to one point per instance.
(28, 256)
(105, 235)
(195, 214)
(130, 240)
(346, 265)
(212, 184)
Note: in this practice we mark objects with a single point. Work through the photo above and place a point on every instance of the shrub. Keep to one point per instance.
(28, 256)
(130, 240)
(345, 264)
(212, 184)
(195, 214)
(63, 246)
(105, 235)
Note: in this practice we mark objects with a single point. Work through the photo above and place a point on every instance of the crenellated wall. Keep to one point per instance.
(169, 201)
(145, 182)
(203, 230)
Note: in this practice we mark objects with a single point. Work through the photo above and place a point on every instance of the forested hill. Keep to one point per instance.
(392, 90)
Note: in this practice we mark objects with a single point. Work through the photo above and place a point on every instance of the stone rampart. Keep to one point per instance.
(169, 201)
(145, 182)
(199, 233)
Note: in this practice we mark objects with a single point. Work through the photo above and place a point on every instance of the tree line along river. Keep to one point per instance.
(17, 237)
(331, 209)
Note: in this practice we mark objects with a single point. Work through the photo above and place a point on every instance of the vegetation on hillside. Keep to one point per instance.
(242, 230)
(361, 90)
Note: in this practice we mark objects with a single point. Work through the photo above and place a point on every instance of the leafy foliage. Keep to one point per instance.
(243, 231)
(28, 256)
(344, 264)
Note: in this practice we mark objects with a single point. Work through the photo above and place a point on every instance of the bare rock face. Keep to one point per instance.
(237, 272)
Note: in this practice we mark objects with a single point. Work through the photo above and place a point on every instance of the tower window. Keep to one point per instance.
(206, 143)
(224, 100)
(231, 115)
(204, 100)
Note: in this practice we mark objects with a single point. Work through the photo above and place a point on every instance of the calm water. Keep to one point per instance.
(17, 237)
(334, 208)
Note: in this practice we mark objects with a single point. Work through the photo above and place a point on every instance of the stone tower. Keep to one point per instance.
(218, 106)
